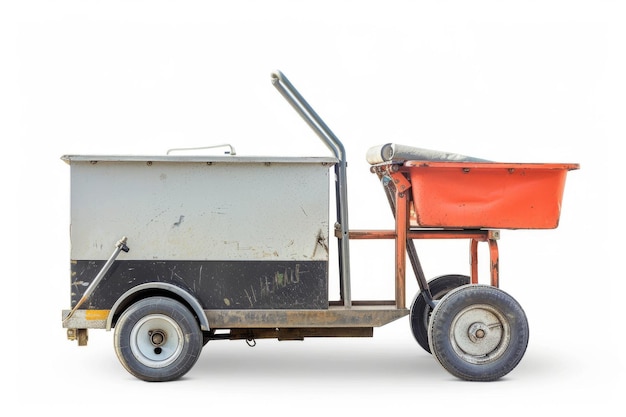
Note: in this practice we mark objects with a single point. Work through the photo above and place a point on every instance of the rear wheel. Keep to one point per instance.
(420, 310)
(478, 332)
(157, 339)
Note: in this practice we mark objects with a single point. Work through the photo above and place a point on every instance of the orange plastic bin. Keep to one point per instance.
(474, 195)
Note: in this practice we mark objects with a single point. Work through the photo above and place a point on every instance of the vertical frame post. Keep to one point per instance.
(402, 221)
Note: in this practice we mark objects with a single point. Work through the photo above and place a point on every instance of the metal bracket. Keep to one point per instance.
(119, 246)
(400, 181)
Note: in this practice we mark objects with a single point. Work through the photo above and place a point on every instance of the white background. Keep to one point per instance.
(532, 81)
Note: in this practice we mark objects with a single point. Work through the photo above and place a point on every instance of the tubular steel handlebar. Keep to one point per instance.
(295, 99)
(309, 115)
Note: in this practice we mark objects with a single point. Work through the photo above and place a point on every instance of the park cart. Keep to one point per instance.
(173, 251)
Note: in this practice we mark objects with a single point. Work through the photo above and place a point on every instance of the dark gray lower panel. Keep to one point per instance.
(216, 284)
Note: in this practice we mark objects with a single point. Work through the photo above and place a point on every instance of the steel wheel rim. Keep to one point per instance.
(156, 341)
(480, 334)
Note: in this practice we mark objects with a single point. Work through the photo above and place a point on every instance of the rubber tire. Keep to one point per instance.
(420, 310)
(501, 347)
(182, 343)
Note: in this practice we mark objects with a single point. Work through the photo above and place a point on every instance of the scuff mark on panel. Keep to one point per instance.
(180, 220)
(174, 274)
(156, 217)
(320, 241)
(80, 284)
(251, 298)
(237, 245)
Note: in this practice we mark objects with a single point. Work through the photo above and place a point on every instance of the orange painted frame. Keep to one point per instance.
(403, 230)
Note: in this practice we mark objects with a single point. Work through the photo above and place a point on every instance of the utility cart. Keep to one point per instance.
(173, 251)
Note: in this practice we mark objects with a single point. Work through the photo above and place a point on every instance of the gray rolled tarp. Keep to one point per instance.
(394, 152)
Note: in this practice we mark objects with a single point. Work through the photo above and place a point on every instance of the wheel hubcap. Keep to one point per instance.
(480, 334)
(156, 341)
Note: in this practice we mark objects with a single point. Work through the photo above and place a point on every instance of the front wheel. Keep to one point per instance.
(478, 332)
(157, 339)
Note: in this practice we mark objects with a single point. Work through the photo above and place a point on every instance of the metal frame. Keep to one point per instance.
(344, 317)
(394, 178)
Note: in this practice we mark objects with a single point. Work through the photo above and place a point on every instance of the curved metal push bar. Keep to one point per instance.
(305, 111)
